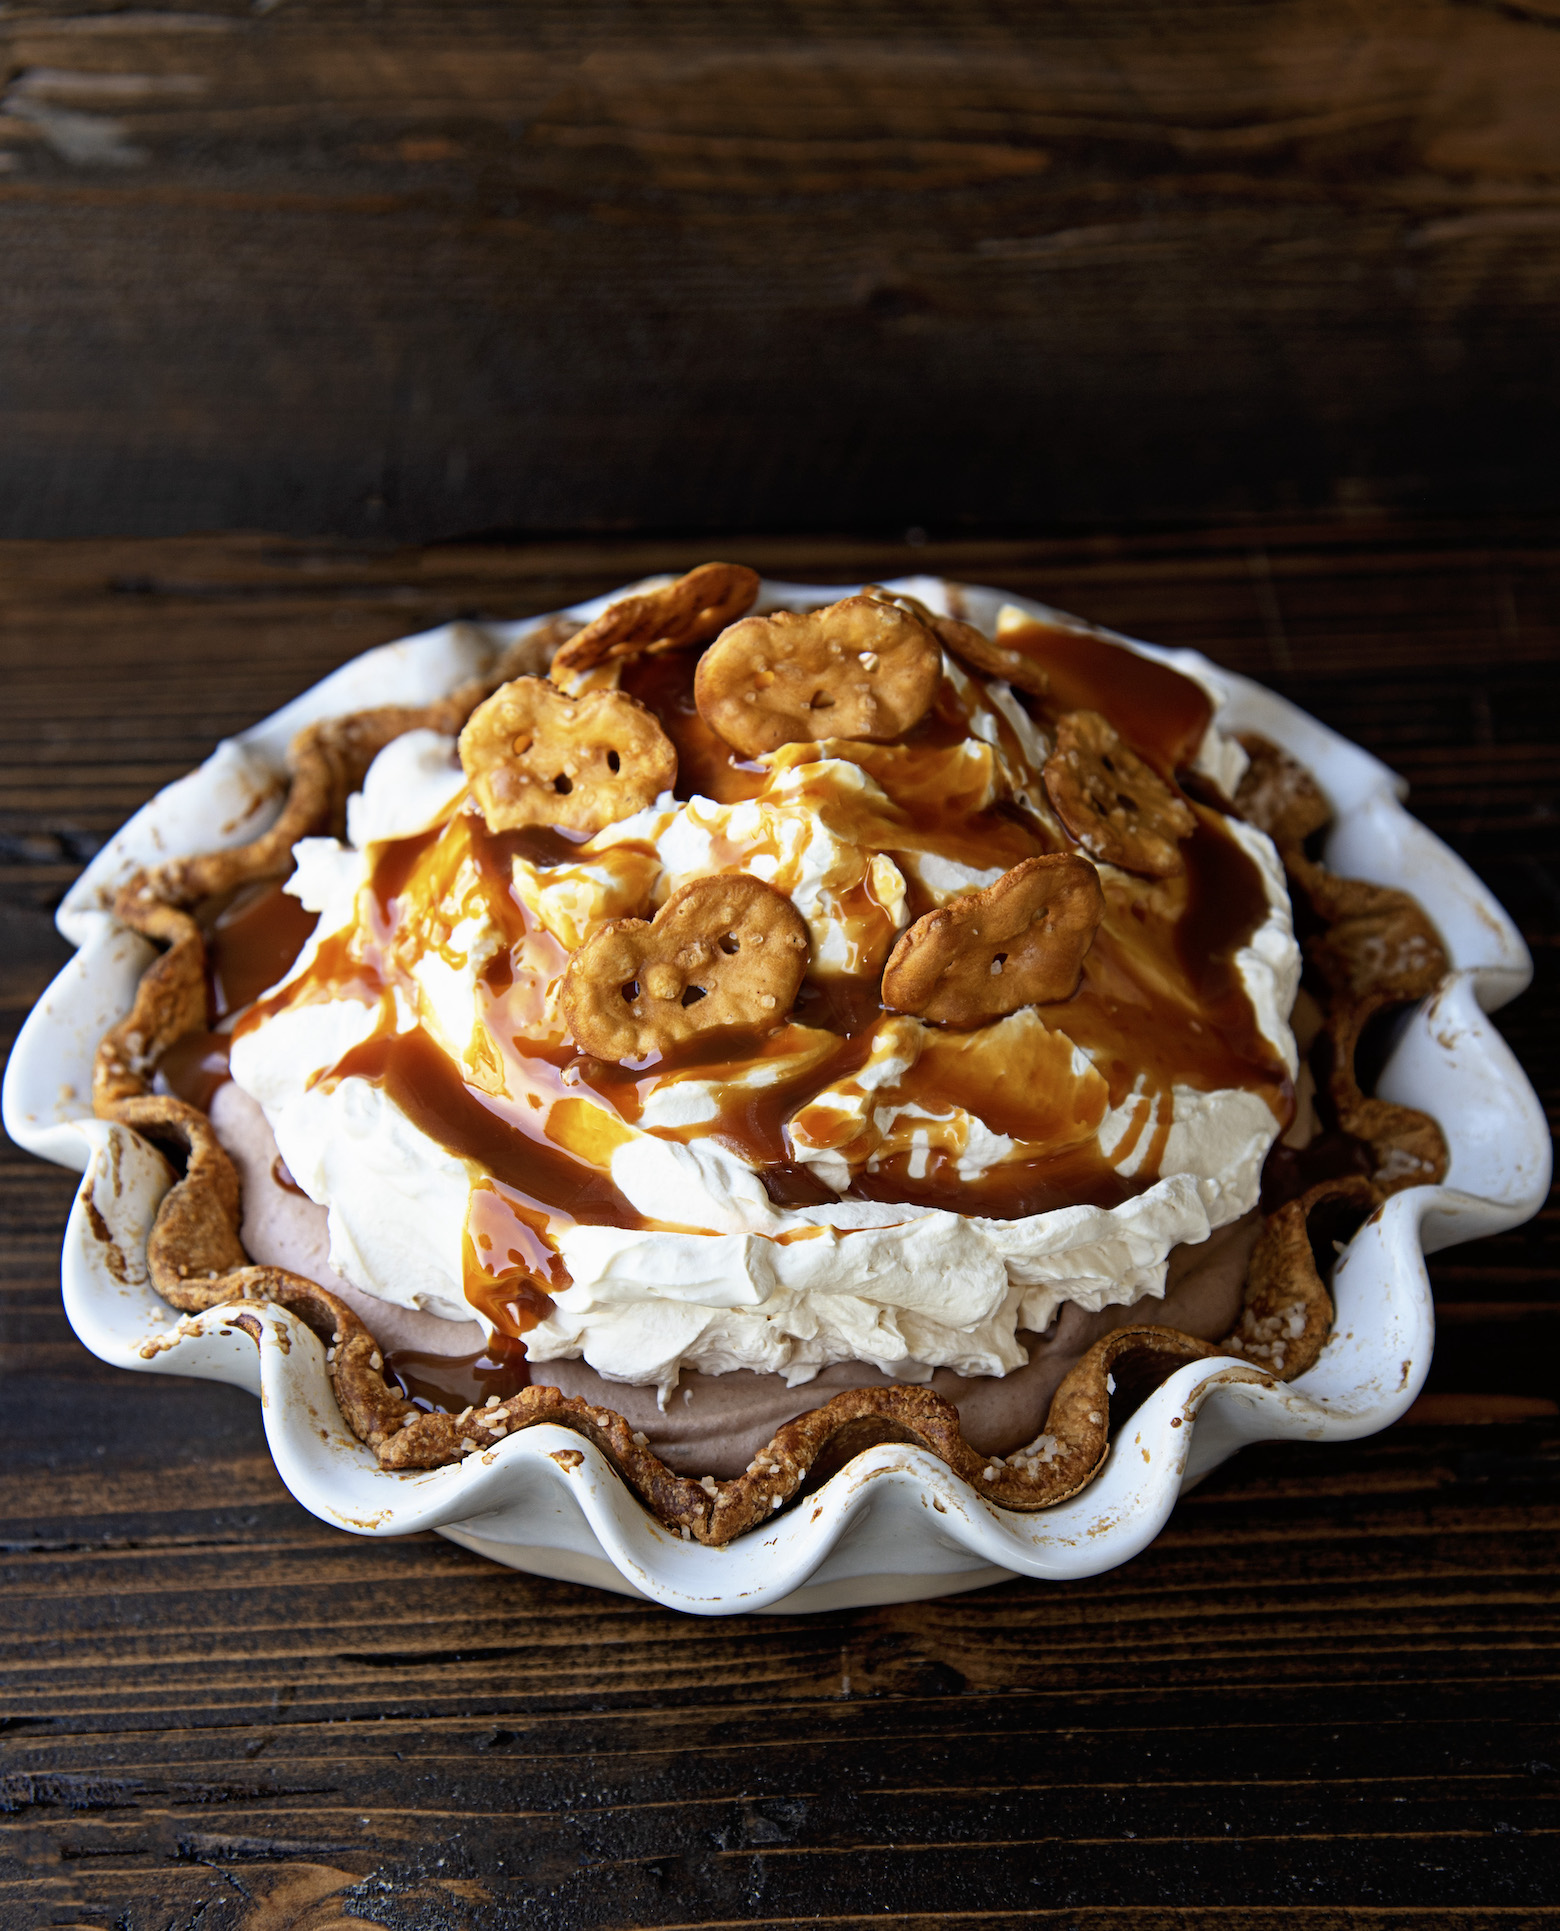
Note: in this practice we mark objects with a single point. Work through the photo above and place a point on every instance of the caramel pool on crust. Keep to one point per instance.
(1160, 1001)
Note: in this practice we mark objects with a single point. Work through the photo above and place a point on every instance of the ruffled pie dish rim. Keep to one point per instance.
(896, 1521)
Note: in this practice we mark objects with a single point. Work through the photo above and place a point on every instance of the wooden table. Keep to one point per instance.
(1325, 1697)
(412, 270)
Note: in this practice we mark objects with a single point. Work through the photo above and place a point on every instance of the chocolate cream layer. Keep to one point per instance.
(713, 1424)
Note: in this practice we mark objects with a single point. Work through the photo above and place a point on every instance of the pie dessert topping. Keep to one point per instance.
(864, 668)
(727, 951)
(1115, 805)
(692, 610)
(875, 1024)
(535, 756)
(1018, 942)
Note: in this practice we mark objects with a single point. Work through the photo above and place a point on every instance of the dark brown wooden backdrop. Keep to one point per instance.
(426, 267)
(1264, 290)
(1325, 1698)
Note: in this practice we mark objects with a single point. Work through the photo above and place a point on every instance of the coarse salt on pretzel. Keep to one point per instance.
(695, 608)
(535, 756)
(1019, 942)
(723, 951)
(987, 655)
(862, 668)
(1117, 807)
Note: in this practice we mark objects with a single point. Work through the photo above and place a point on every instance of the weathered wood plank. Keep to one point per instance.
(575, 266)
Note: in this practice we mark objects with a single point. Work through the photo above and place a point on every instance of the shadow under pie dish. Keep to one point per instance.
(1027, 1048)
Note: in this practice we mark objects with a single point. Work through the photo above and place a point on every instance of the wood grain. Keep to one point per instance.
(448, 265)
(1326, 1697)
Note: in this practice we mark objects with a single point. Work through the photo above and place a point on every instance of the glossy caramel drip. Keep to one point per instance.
(707, 767)
(423, 1082)
(1158, 711)
(523, 1186)
(1161, 1002)
(447, 1384)
(283, 1179)
(251, 944)
(1162, 996)
(193, 1068)
(1080, 1177)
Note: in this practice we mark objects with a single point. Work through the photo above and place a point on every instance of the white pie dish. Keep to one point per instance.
(895, 1524)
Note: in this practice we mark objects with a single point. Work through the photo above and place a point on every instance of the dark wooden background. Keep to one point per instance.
(1230, 322)
(1326, 1697)
(427, 267)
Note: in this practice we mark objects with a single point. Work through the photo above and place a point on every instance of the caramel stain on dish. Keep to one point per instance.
(112, 1253)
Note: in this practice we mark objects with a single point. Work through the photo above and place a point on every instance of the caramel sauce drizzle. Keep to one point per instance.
(1160, 713)
(1161, 1001)
(251, 942)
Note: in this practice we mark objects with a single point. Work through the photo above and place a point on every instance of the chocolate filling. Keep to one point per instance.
(714, 1424)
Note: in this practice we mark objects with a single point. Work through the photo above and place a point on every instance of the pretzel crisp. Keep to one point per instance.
(692, 610)
(983, 653)
(862, 668)
(1019, 942)
(537, 757)
(725, 951)
(1116, 806)
(991, 657)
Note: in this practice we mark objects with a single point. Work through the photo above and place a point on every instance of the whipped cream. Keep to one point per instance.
(708, 1269)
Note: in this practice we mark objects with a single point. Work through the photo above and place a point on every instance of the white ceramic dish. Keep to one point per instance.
(895, 1524)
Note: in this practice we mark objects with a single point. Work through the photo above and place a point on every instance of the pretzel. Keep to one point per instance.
(724, 951)
(695, 608)
(862, 668)
(1020, 942)
(986, 654)
(1116, 806)
(538, 757)
(991, 657)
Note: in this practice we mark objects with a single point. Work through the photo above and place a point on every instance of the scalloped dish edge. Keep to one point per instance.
(894, 1524)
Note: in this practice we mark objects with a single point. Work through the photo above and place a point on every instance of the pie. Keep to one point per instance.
(743, 1034)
